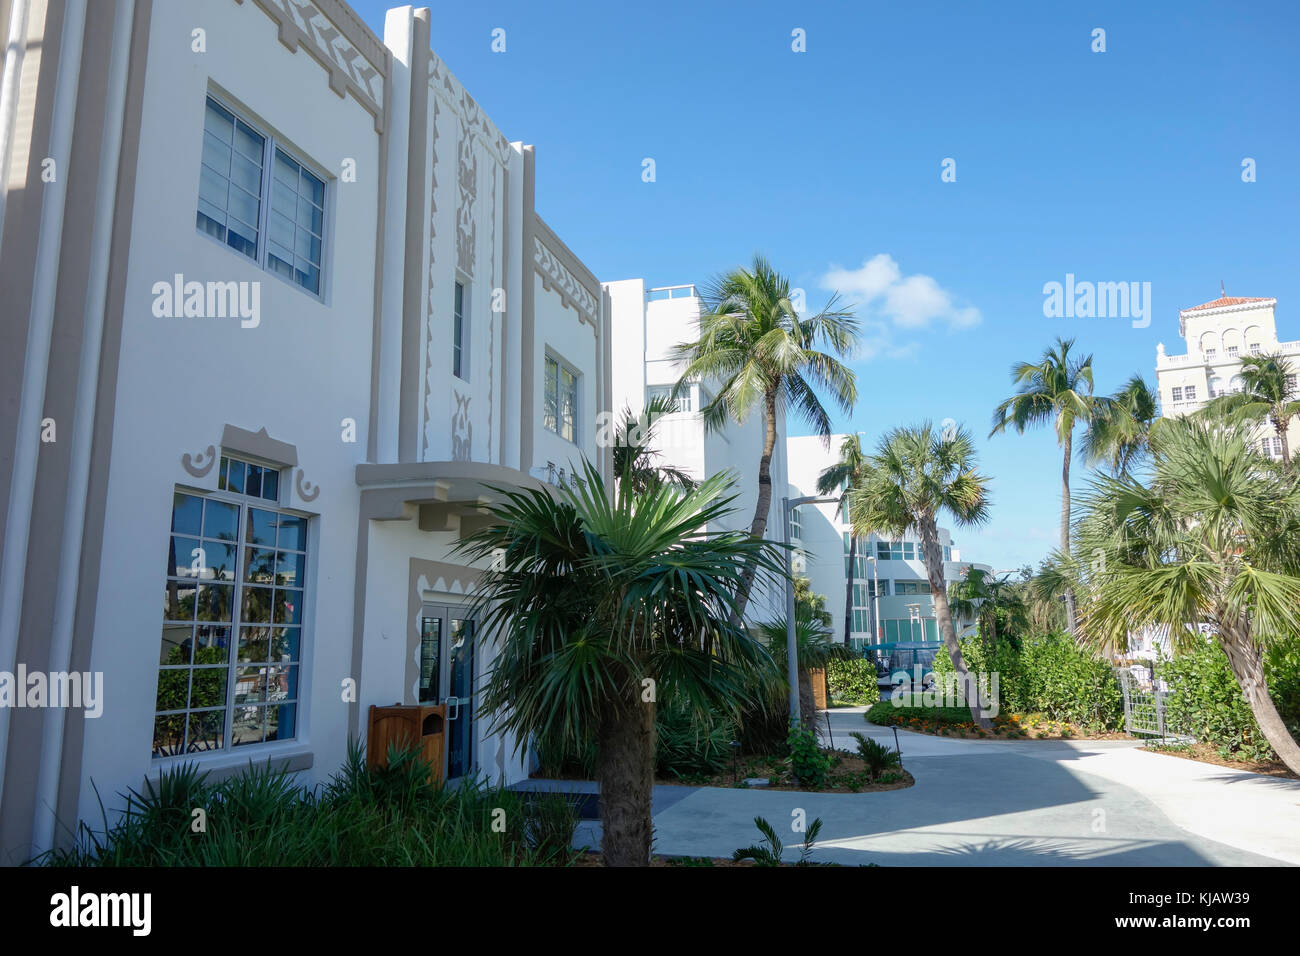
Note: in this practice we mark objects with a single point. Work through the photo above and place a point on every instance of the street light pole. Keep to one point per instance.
(791, 644)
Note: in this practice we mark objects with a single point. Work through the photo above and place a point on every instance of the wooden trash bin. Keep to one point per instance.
(403, 725)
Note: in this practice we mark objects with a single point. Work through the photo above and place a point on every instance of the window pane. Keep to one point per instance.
(281, 721)
(288, 607)
(289, 568)
(284, 643)
(271, 485)
(180, 559)
(259, 565)
(256, 605)
(187, 511)
(215, 602)
(550, 398)
(254, 643)
(169, 736)
(208, 688)
(177, 642)
(206, 731)
(211, 644)
(253, 482)
(293, 532)
(220, 519)
(178, 601)
(247, 727)
(259, 528)
(235, 477)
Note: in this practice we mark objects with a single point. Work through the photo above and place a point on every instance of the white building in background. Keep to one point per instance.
(904, 609)
(1217, 335)
(646, 326)
(278, 328)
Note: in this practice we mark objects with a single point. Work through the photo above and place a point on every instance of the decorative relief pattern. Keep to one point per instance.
(306, 490)
(467, 185)
(348, 65)
(444, 83)
(462, 429)
(432, 281)
(555, 275)
(199, 465)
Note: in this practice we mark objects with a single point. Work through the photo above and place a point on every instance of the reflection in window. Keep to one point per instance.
(560, 400)
(228, 662)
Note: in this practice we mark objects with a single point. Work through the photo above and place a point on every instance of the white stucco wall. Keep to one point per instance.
(182, 379)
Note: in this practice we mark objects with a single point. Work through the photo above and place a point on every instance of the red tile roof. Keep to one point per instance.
(1224, 301)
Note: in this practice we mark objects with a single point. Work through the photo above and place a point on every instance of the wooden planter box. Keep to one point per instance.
(403, 725)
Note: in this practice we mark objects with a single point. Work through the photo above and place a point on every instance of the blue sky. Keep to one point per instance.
(1115, 166)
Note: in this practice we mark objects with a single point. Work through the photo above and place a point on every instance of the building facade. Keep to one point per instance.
(647, 324)
(280, 317)
(1216, 336)
(891, 591)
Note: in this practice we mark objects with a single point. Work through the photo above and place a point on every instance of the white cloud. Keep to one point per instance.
(881, 291)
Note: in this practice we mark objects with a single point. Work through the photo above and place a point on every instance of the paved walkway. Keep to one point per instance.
(998, 803)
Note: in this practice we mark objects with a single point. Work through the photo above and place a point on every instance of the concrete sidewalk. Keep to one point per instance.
(999, 803)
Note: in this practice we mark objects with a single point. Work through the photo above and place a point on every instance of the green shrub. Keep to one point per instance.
(853, 681)
(1205, 700)
(768, 852)
(362, 817)
(875, 755)
(809, 763)
(689, 747)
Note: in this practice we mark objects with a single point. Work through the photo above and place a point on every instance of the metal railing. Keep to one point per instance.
(1146, 708)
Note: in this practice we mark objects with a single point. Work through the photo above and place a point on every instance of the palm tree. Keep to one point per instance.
(814, 649)
(1265, 395)
(599, 597)
(991, 601)
(1118, 436)
(764, 356)
(636, 462)
(1057, 389)
(1213, 538)
(913, 476)
(843, 476)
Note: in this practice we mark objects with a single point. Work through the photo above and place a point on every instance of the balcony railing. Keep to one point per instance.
(671, 292)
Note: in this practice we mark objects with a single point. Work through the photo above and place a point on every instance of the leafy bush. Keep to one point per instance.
(1205, 701)
(853, 681)
(362, 817)
(809, 763)
(688, 747)
(876, 755)
(1048, 674)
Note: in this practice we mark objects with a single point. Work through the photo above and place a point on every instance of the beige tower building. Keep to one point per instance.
(1216, 336)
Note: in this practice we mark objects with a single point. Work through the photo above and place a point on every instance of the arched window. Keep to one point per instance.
(1209, 344)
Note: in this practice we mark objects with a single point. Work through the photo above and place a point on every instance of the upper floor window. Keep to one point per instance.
(796, 526)
(1290, 384)
(259, 200)
(895, 551)
(947, 552)
(1189, 393)
(231, 648)
(1177, 393)
(1211, 353)
(1254, 348)
(560, 399)
(1232, 350)
(684, 402)
(458, 338)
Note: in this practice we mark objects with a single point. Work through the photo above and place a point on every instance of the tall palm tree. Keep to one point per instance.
(1118, 436)
(636, 461)
(991, 601)
(598, 598)
(1056, 389)
(843, 476)
(1265, 395)
(913, 476)
(1213, 538)
(763, 356)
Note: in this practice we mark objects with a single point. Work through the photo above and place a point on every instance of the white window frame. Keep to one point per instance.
(305, 626)
(460, 322)
(562, 366)
(270, 142)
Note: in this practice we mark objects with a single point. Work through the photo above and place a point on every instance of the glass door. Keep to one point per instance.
(447, 676)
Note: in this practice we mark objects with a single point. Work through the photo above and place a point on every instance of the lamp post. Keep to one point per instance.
(791, 645)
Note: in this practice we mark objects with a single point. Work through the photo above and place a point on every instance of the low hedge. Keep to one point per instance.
(1048, 674)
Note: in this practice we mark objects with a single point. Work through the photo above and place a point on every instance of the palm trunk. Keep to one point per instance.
(1070, 621)
(625, 768)
(1247, 662)
(807, 701)
(759, 525)
(848, 588)
(933, 554)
